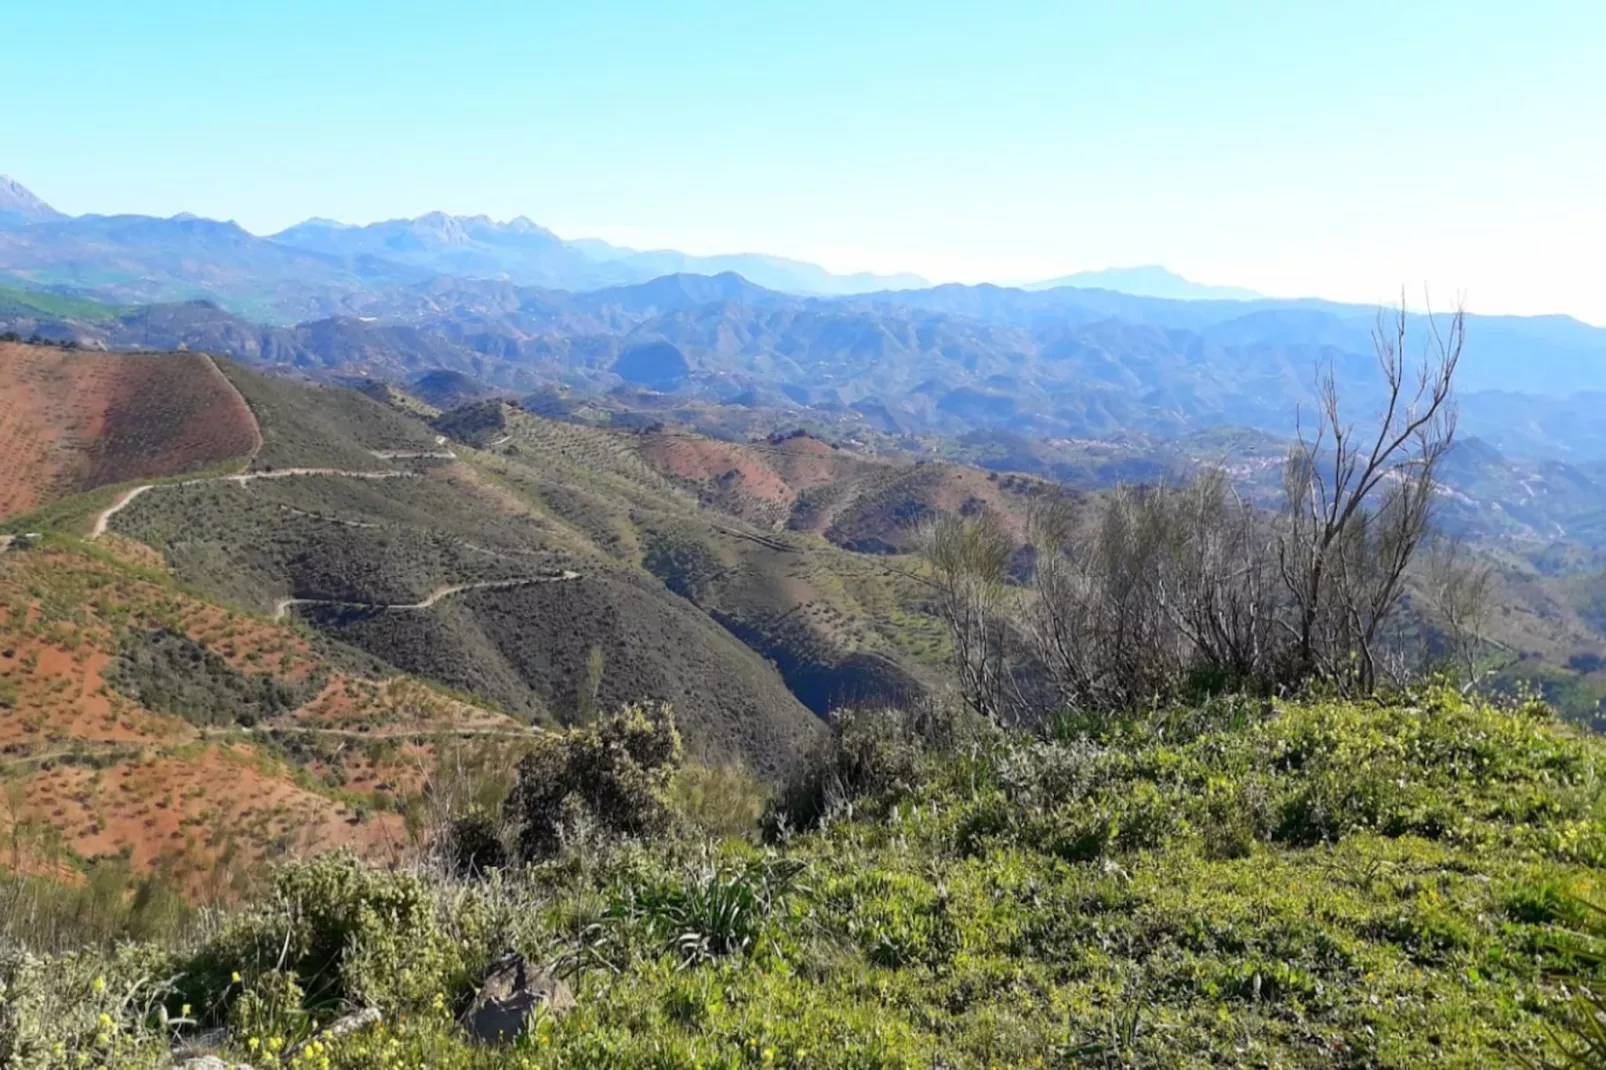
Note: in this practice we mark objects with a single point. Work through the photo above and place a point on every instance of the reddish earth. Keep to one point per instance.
(203, 815)
(71, 420)
(207, 809)
(704, 461)
(757, 481)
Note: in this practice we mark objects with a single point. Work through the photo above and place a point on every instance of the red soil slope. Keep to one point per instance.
(98, 775)
(71, 420)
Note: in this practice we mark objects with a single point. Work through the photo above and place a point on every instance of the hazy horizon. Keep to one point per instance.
(1290, 151)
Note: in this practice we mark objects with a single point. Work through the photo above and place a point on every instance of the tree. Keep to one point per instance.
(1357, 503)
(585, 702)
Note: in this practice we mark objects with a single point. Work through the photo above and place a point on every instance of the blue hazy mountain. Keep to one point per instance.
(771, 272)
(1147, 281)
(19, 207)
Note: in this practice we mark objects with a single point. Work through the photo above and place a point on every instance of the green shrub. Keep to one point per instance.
(718, 801)
(612, 778)
(86, 1008)
(870, 754)
(343, 932)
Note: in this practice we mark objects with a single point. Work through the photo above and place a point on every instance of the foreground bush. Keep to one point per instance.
(614, 777)
(1312, 885)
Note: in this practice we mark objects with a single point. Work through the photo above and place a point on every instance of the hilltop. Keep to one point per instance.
(1241, 883)
(70, 424)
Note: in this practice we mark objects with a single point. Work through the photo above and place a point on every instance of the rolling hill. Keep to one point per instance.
(70, 424)
(948, 361)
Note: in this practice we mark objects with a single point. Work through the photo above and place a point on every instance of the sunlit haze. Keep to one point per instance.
(1337, 150)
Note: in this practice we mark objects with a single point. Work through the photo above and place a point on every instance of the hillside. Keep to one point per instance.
(361, 521)
(150, 734)
(71, 421)
(1262, 884)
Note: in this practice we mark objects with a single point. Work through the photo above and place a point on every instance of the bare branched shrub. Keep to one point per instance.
(1358, 502)
(1188, 588)
(1457, 588)
(1098, 627)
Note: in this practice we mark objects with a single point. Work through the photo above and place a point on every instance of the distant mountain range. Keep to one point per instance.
(949, 360)
(400, 299)
(310, 269)
(1147, 281)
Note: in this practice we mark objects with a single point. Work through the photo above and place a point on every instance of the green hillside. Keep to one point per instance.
(518, 569)
(42, 304)
(1311, 885)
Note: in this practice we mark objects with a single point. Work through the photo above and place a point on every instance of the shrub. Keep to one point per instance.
(171, 673)
(342, 931)
(870, 753)
(721, 802)
(473, 846)
(85, 1008)
(613, 777)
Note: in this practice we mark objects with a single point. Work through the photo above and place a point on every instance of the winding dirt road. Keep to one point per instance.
(128, 496)
(283, 605)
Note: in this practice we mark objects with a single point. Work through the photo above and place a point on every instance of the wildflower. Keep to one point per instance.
(236, 977)
(98, 985)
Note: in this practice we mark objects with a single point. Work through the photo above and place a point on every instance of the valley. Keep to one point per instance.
(802, 537)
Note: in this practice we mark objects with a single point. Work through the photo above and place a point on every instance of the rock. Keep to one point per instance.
(212, 1062)
(343, 1026)
(510, 996)
(351, 1023)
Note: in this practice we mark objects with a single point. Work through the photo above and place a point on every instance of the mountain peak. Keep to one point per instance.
(18, 204)
(1147, 280)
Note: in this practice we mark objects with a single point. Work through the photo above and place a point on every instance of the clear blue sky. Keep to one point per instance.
(1300, 146)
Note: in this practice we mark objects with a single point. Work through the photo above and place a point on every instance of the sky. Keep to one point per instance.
(1338, 149)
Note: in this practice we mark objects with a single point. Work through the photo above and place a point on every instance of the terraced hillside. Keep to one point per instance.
(360, 521)
(148, 731)
(71, 421)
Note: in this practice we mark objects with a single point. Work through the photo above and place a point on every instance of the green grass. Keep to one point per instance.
(44, 304)
(1306, 885)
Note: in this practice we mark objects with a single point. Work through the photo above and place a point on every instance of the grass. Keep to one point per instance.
(43, 303)
(1300, 885)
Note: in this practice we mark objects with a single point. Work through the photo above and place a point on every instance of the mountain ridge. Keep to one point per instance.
(1148, 280)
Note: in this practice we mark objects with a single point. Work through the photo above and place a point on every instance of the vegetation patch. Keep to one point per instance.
(1302, 885)
(169, 672)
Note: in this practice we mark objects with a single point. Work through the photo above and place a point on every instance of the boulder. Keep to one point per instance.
(511, 995)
